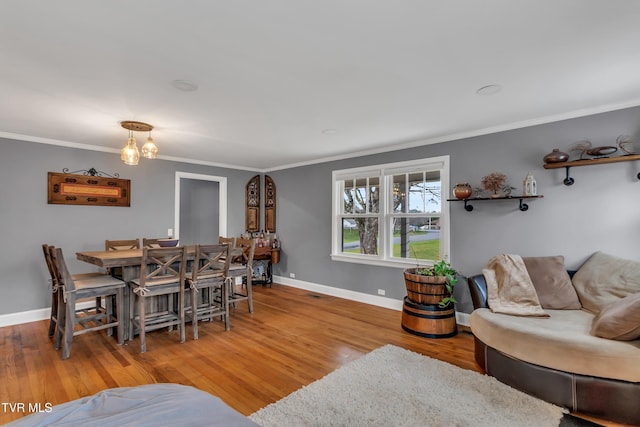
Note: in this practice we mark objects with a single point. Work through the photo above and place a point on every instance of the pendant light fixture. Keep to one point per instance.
(130, 154)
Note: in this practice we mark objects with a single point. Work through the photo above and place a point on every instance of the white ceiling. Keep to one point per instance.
(273, 74)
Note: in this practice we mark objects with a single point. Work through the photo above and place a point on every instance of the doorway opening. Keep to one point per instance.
(200, 208)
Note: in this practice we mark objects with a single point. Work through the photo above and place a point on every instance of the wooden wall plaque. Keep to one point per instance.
(73, 189)
(269, 204)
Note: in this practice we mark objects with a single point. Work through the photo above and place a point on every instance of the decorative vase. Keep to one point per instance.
(462, 190)
(556, 156)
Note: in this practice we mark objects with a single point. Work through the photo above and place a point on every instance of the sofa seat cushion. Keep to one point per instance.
(561, 341)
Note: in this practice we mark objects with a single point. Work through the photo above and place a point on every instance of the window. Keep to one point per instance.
(392, 214)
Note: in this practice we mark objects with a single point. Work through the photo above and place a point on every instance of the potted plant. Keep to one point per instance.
(495, 183)
(431, 285)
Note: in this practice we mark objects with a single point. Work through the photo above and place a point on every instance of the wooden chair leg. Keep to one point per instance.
(61, 319)
(181, 311)
(108, 302)
(224, 301)
(194, 313)
(232, 290)
(170, 309)
(120, 314)
(67, 336)
(141, 315)
(54, 313)
(249, 293)
(132, 313)
(99, 304)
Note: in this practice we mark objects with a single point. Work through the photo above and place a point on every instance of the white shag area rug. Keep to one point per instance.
(392, 386)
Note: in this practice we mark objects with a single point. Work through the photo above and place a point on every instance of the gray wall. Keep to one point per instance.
(27, 220)
(600, 211)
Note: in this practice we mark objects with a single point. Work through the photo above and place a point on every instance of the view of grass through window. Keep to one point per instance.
(424, 244)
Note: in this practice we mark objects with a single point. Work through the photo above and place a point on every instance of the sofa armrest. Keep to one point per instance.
(478, 290)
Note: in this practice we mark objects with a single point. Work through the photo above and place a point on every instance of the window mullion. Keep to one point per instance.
(382, 216)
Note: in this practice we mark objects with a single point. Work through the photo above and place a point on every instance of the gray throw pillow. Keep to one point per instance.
(619, 320)
(552, 282)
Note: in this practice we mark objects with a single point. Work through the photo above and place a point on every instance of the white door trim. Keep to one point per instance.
(222, 200)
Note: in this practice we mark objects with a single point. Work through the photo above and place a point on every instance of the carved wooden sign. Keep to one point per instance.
(73, 189)
(269, 204)
(252, 199)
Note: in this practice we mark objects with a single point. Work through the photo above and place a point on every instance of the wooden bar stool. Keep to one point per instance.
(208, 275)
(70, 290)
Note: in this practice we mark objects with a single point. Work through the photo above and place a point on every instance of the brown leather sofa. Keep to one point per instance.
(610, 399)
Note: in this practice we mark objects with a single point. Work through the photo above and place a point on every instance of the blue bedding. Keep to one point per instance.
(146, 405)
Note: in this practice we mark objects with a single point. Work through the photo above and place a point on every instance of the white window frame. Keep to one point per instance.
(386, 172)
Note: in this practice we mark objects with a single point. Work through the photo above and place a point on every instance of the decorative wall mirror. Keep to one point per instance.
(269, 204)
(252, 201)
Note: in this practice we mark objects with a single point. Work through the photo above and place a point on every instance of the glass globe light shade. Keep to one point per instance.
(149, 149)
(130, 154)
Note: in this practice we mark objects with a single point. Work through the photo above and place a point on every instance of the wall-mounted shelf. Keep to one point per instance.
(523, 206)
(590, 162)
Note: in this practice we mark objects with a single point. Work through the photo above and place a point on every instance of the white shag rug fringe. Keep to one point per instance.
(392, 386)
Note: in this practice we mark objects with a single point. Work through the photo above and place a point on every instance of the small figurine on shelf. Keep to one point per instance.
(529, 187)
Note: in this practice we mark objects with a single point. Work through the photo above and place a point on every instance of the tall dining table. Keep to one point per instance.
(129, 260)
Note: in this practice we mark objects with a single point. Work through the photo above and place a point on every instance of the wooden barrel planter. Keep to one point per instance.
(425, 289)
(421, 312)
(429, 320)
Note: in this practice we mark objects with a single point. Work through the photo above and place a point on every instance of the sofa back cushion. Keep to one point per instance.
(552, 282)
(604, 279)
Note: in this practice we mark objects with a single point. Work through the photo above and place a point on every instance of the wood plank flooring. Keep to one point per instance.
(294, 338)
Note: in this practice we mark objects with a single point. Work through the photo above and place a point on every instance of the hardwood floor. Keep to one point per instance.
(294, 338)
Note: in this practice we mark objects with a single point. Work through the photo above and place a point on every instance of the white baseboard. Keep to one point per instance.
(461, 318)
(24, 317)
(33, 315)
(341, 293)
